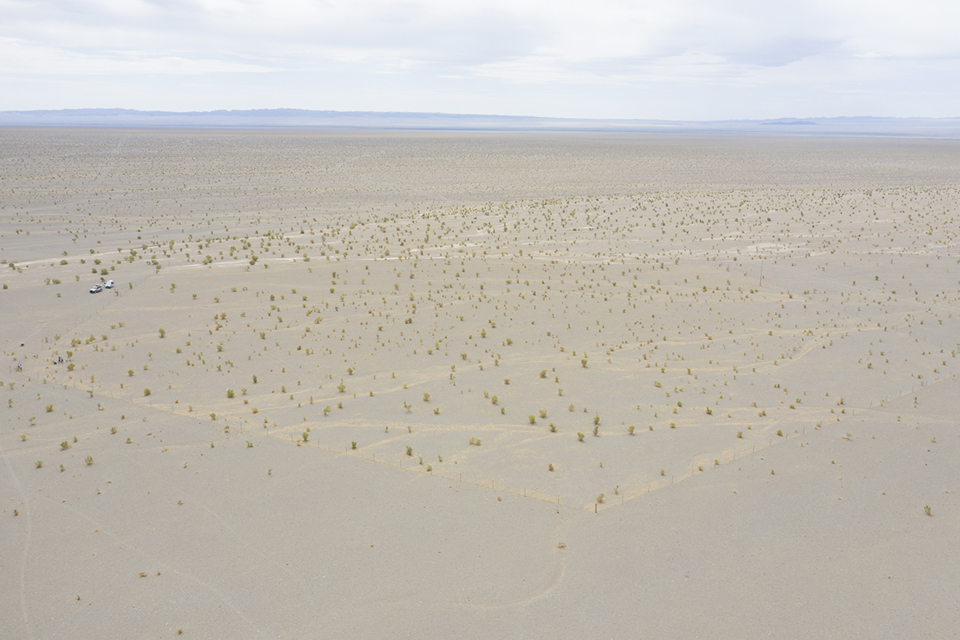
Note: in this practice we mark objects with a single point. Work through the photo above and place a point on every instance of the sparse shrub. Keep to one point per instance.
(596, 431)
(550, 467)
(532, 418)
(305, 435)
(543, 374)
(600, 499)
(926, 510)
(230, 393)
(88, 460)
(579, 437)
(410, 451)
(353, 444)
(426, 397)
(163, 332)
(49, 408)
(146, 391)
(39, 464)
(630, 429)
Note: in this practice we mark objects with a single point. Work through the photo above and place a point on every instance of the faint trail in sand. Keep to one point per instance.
(26, 550)
(224, 597)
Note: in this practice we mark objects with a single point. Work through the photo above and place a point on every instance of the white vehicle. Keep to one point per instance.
(109, 284)
(96, 288)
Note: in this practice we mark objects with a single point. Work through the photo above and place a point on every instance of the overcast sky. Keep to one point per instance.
(685, 59)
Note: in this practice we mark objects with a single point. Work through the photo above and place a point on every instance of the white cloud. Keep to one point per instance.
(617, 48)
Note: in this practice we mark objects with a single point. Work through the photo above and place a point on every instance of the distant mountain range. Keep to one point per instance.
(385, 120)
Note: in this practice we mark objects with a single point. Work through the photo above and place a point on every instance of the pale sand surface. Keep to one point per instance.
(788, 433)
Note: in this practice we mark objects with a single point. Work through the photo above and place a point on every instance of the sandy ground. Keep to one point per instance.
(542, 385)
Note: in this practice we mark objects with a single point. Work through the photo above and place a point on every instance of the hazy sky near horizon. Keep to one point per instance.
(686, 59)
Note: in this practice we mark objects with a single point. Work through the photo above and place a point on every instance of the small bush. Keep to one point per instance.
(146, 391)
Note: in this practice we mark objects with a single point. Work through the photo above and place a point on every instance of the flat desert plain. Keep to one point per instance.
(476, 385)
